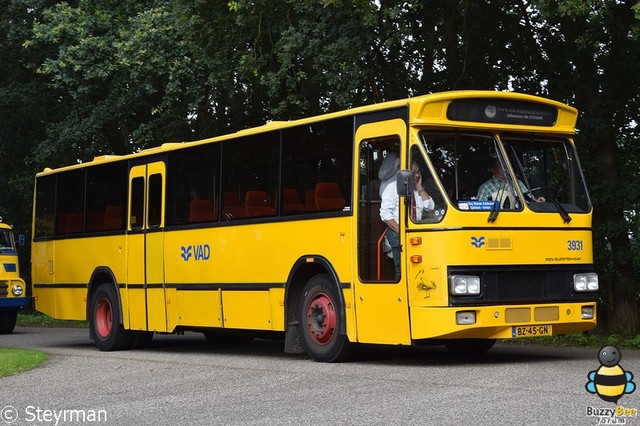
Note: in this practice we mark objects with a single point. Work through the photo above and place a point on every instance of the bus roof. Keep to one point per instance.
(430, 109)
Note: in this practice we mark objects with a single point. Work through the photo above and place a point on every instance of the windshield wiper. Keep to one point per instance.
(561, 210)
(495, 210)
(497, 203)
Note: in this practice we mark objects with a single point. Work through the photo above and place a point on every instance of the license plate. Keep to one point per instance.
(531, 331)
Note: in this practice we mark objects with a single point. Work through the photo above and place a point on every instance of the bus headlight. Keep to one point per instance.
(17, 290)
(468, 285)
(585, 282)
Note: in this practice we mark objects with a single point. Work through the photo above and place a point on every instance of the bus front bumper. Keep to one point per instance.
(13, 302)
(502, 322)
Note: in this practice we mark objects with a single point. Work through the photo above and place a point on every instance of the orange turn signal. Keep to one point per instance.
(415, 241)
(416, 258)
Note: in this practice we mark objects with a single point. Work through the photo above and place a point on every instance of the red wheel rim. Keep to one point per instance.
(321, 319)
(104, 318)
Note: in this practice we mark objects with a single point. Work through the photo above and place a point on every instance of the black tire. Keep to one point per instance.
(320, 321)
(105, 321)
(8, 321)
(470, 346)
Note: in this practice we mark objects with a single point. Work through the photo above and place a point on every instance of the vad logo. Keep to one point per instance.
(199, 252)
(477, 242)
(186, 252)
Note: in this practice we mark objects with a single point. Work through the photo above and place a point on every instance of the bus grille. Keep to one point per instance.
(508, 284)
(4, 289)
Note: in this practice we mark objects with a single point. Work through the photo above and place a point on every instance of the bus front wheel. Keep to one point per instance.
(105, 322)
(320, 321)
(8, 321)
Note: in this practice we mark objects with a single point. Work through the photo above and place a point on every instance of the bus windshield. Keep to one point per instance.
(7, 244)
(484, 172)
(549, 169)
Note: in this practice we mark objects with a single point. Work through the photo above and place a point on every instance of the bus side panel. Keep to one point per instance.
(276, 297)
(194, 308)
(136, 308)
(247, 309)
(75, 262)
(42, 274)
(257, 259)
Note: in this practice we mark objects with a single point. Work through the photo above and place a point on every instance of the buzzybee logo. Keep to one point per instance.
(610, 382)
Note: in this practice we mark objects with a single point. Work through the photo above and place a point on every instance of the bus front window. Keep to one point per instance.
(7, 244)
(541, 173)
(472, 171)
(550, 170)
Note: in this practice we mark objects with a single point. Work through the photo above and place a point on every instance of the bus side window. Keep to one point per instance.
(316, 162)
(435, 212)
(137, 203)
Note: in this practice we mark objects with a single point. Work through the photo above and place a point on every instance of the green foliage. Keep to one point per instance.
(14, 361)
(37, 319)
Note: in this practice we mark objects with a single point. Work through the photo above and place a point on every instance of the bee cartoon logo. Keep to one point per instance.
(610, 381)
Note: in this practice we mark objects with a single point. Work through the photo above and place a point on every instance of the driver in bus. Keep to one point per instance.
(498, 187)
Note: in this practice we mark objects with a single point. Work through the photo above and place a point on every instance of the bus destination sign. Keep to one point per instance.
(504, 111)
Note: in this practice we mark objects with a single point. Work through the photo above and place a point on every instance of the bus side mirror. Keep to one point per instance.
(405, 183)
(21, 239)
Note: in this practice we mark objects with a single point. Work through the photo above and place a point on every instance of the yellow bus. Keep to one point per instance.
(278, 230)
(13, 295)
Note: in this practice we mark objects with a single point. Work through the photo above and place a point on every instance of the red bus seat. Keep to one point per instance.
(201, 210)
(232, 206)
(256, 203)
(328, 196)
(114, 217)
(291, 201)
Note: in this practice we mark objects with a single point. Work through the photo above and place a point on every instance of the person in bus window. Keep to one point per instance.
(497, 186)
(422, 205)
(389, 205)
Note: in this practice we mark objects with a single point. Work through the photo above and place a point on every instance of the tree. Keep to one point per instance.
(27, 106)
(592, 51)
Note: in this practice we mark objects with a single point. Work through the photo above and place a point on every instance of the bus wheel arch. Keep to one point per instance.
(315, 311)
(101, 276)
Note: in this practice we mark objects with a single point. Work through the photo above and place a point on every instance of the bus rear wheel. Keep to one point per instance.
(105, 322)
(8, 321)
(320, 321)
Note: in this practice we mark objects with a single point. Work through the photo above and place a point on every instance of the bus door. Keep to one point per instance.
(145, 245)
(381, 299)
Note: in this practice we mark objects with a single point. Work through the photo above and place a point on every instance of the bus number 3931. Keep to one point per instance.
(574, 245)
